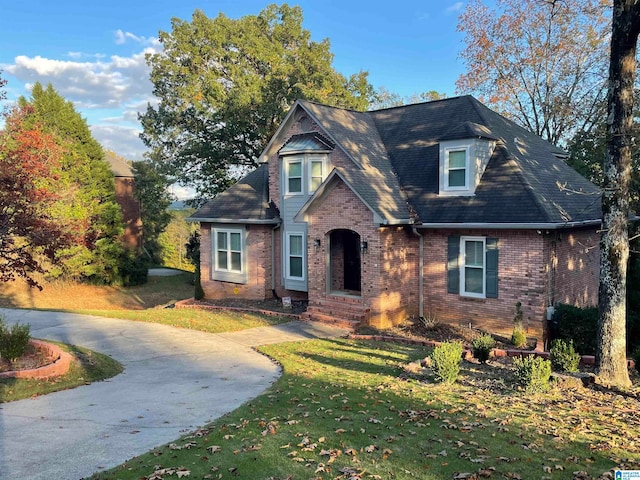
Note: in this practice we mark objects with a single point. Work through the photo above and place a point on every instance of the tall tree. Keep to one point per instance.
(611, 360)
(541, 63)
(152, 193)
(87, 188)
(29, 233)
(225, 85)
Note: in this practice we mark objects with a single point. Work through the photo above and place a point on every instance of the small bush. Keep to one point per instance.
(133, 270)
(445, 361)
(636, 358)
(563, 356)
(519, 338)
(533, 373)
(13, 341)
(482, 347)
(579, 325)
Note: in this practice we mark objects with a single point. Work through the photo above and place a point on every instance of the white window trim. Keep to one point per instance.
(303, 254)
(287, 163)
(226, 274)
(448, 150)
(463, 266)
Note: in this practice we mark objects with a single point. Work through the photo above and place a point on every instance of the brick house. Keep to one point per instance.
(124, 187)
(443, 208)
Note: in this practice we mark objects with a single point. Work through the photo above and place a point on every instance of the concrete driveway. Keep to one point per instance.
(175, 380)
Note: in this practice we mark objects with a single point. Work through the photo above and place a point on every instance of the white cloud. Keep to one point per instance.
(90, 84)
(125, 141)
(123, 37)
(456, 7)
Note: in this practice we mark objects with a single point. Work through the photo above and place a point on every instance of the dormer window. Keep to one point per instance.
(456, 169)
(462, 164)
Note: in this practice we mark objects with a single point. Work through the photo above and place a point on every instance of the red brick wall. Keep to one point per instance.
(522, 274)
(576, 267)
(130, 211)
(258, 248)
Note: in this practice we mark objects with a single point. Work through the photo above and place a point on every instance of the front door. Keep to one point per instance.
(345, 261)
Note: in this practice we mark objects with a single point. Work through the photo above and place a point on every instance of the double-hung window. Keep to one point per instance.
(456, 169)
(316, 174)
(294, 176)
(472, 266)
(228, 255)
(295, 256)
(472, 255)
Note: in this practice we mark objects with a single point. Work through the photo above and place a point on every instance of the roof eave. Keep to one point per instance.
(510, 226)
(244, 221)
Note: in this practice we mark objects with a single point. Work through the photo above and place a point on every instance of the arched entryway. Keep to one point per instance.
(344, 262)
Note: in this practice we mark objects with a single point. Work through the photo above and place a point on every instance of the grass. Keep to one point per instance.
(87, 366)
(141, 303)
(350, 410)
(66, 295)
(215, 321)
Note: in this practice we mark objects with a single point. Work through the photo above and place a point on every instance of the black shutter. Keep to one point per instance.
(453, 270)
(491, 287)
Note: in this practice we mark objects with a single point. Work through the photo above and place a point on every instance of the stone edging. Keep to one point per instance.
(468, 353)
(60, 362)
(191, 303)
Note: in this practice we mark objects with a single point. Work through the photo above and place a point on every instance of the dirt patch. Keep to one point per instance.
(272, 304)
(440, 332)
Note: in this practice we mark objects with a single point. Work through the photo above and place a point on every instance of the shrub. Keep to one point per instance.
(563, 356)
(13, 341)
(533, 373)
(445, 361)
(636, 358)
(133, 270)
(519, 338)
(579, 325)
(482, 347)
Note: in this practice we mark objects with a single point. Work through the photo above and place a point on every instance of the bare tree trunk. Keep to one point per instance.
(611, 360)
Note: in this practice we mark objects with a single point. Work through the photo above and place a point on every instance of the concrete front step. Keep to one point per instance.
(328, 319)
(340, 311)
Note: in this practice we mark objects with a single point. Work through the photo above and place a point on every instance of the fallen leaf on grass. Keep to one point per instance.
(214, 448)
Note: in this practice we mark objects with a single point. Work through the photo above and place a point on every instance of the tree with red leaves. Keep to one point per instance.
(30, 233)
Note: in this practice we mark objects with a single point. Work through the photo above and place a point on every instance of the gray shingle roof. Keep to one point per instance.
(119, 166)
(524, 182)
(396, 170)
(244, 202)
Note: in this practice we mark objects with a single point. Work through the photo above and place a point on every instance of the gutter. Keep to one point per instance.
(243, 221)
(421, 273)
(511, 226)
(273, 260)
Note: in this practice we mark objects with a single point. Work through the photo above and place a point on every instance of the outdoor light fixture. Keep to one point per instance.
(317, 243)
(364, 246)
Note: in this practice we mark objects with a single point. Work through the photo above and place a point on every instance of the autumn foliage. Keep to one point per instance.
(28, 231)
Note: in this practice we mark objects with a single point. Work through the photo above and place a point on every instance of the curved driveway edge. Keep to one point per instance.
(175, 380)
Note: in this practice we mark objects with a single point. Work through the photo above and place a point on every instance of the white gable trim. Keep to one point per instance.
(278, 137)
(326, 187)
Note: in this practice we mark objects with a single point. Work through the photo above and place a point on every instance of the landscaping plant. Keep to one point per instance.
(533, 373)
(519, 338)
(482, 347)
(13, 341)
(563, 356)
(445, 361)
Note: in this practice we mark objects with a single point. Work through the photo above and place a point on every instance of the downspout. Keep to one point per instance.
(273, 261)
(420, 273)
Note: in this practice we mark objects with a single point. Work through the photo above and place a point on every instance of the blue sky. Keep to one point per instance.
(93, 52)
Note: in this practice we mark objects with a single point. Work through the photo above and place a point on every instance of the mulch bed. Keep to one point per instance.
(33, 358)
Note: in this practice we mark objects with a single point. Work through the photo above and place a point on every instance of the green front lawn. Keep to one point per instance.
(211, 321)
(349, 410)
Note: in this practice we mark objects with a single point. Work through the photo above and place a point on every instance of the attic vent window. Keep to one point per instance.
(305, 124)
